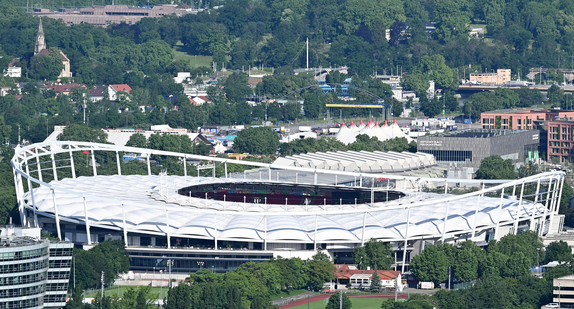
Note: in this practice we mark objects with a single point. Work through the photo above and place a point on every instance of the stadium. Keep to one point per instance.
(221, 220)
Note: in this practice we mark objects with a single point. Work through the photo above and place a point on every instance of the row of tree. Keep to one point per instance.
(263, 140)
(252, 284)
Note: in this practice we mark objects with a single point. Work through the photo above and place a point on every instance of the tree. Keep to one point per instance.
(374, 254)
(558, 251)
(375, 283)
(432, 107)
(77, 299)
(555, 94)
(261, 140)
(335, 301)
(137, 140)
(291, 111)
(396, 107)
(314, 104)
(466, 261)
(294, 272)
(432, 264)
(565, 208)
(416, 82)
(321, 270)
(438, 71)
(46, 67)
(108, 256)
(494, 167)
(267, 273)
(492, 292)
(83, 133)
(236, 87)
(179, 297)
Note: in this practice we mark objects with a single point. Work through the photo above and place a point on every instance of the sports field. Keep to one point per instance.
(359, 301)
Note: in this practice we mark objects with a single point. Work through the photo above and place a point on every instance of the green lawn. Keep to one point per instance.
(363, 303)
(195, 60)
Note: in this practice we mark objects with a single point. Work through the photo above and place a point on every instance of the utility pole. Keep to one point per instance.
(396, 290)
(340, 299)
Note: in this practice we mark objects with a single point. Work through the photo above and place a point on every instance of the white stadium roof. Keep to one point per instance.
(143, 205)
(148, 208)
(359, 161)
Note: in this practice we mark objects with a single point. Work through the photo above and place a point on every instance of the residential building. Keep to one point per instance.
(513, 120)
(35, 272)
(521, 119)
(114, 89)
(97, 93)
(13, 69)
(13, 72)
(64, 88)
(468, 148)
(560, 144)
(199, 100)
(501, 77)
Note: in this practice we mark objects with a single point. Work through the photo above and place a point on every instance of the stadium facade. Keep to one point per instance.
(190, 222)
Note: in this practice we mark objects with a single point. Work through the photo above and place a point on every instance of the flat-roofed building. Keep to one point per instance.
(520, 119)
(468, 148)
(563, 291)
(560, 144)
(103, 16)
(501, 77)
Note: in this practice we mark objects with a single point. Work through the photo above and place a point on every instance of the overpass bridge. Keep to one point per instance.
(533, 72)
(478, 88)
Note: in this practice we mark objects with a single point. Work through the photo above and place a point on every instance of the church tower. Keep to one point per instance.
(40, 40)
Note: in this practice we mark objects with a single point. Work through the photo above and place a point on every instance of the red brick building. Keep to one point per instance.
(520, 119)
(560, 143)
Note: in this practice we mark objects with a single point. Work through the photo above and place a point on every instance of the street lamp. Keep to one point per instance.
(200, 264)
(161, 284)
(169, 265)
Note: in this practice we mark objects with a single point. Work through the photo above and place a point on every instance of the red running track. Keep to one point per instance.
(325, 296)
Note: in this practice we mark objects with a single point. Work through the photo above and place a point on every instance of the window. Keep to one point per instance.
(450, 155)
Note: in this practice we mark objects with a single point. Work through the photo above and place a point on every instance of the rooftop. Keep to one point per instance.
(483, 133)
(343, 271)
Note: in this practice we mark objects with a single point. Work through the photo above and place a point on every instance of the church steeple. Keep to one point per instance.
(40, 41)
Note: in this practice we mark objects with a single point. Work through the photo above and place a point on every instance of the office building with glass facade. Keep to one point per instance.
(34, 273)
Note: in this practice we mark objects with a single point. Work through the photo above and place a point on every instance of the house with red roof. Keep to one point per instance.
(358, 278)
(114, 89)
(199, 100)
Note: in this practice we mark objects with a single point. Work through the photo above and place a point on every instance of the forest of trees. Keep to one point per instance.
(249, 286)
(243, 34)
